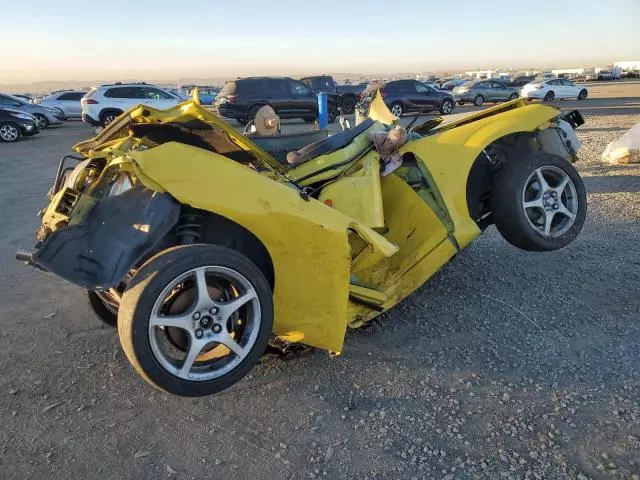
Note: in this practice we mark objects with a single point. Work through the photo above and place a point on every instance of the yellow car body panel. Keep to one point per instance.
(307, 240)
(358, 195)
(449, 155)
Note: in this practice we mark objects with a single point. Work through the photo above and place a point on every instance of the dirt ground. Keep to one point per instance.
(506, 364)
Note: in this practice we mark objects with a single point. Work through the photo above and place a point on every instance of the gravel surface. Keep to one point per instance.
(506, 364)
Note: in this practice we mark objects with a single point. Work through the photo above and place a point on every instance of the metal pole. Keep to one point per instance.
(323, 117)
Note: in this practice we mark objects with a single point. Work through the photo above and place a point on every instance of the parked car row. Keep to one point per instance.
(240, 99)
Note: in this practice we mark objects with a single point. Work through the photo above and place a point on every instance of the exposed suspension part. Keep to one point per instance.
(189, 229)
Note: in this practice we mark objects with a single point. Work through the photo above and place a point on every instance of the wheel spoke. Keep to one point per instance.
(225, 339)
(560, 188)
(544, 186)
(229, 308)
(566, 212)
(201, 286)
(548, 219)
(178, 321)
(537, 203)
(195, 347)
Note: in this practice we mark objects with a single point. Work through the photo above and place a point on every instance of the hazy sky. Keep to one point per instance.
(111, 39)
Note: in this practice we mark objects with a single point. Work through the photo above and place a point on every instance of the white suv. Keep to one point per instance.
(101, 105)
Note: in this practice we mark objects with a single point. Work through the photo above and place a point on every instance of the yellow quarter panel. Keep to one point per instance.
(307, 241)
(450, 154)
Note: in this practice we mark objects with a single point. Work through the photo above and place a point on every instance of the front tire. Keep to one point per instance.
(9, 132)
(539, 202)
(583, 94)
(41, 121)
(549, 96)
(513, 96)
(348, 105)
(478, 100)
(195, 319)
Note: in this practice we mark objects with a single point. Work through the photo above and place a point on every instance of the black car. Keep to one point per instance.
(15, 124)
(241, 99)
(405, 96)
(521, 81)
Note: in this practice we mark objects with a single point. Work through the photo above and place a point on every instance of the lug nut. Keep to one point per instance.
(217, 328)
(555, 207)
(205, 321)
(554, 194)
(196, 316)
(199, 333)
(213, 310)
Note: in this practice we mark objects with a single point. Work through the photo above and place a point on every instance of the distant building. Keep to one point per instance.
(568, 72)
(628, 65)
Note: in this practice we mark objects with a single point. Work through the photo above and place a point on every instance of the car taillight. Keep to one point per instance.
(383, 94)
(229, 99)
(89, 101)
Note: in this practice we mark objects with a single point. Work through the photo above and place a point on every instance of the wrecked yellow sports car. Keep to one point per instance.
(202, 247)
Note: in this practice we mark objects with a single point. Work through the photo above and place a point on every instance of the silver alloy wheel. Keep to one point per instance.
(447, 107)
(206, 323)
(9, 133)
(41, 121)
(550, 201)
(108, 119)
(396, 110)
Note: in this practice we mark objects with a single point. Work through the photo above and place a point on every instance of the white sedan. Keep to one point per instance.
(550, 89)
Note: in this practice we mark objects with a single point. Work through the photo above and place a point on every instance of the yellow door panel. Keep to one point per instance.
(358, 194)
(307, 241)
(411, 225)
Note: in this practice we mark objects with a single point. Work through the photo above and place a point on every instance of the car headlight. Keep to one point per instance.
(23, 116)
(121, 184)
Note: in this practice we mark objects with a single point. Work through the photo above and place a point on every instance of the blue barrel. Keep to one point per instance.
(323, 116)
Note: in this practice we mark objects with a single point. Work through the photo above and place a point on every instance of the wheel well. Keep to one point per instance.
(492, 158)
(104, 111)
(215, 229)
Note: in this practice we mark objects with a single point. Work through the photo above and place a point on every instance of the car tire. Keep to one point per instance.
(478, 100)
(106, 313)
(533, 215)
(332, 112)
(549, 96)
(397, 109)
(583, 94)
(461, 103)
(108, 116)
(41, 121)
(151, 289)
(513, 96)
(251, 114)
(9, 132)
(242, 121)
(447, 106)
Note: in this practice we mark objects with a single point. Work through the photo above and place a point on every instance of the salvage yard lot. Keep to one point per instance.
(506, 364)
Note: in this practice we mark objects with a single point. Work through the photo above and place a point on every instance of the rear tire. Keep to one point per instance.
(108, 116)
(145, 319)
(447, 106)
(523, 206)
(478, 100)
(348, 105)
(397, 109)
(513, 96)
(583, 94)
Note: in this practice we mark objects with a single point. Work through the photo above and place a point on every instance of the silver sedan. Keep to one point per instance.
(66, 102)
